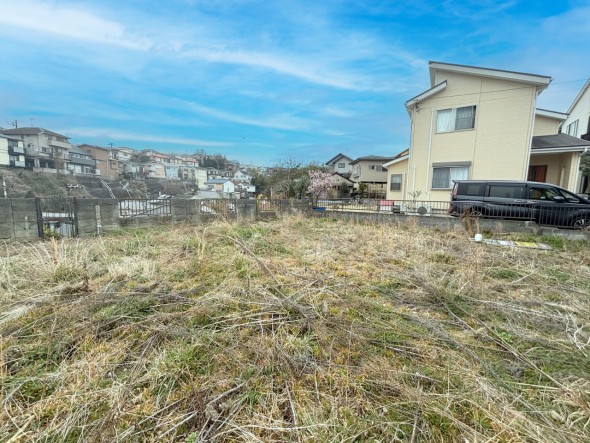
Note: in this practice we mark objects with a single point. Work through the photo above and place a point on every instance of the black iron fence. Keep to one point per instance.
(414, 207)
(144, 207)
(267, 205)
(221, 207)
(544, 213)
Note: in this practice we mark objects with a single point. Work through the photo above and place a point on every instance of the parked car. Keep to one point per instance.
(543, 203)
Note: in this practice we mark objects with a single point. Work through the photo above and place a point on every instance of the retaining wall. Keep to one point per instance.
(95, 216)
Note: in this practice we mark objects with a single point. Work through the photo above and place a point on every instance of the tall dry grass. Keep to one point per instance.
(294, 330)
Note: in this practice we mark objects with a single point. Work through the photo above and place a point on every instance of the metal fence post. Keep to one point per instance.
(39, 213)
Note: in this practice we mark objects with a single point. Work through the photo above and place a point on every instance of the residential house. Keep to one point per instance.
(343, 185)
(242, 176)
(172, 172)
(577, 123)
(369, 175)
(473, 123)
(200, 177)
(107, 165)
(12, 152)
(44, 150)
(224, 185)
(123, 154)
(340, 164)
(80, 162)
(245, 190)
(556, 159)
(155, 170)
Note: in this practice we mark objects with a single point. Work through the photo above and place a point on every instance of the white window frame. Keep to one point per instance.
(450, 182)
(572, 128)
(398, 181)
(341, 165)
(453, 119)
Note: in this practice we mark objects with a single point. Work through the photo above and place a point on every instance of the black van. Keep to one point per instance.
(543, 203)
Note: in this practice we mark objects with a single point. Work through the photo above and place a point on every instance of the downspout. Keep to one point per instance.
(429, 152)
(530, 141)
(410, 154)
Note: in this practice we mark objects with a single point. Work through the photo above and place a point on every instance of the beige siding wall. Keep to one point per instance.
(366, 174)
(4, 158)
(581, 112)
(545, 125)
(498, 146)
(562, 169)
(397, 168)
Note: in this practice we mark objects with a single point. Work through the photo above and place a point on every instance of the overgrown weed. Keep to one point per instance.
(293, 330)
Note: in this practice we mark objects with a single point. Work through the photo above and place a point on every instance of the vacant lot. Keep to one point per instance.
(295, 330)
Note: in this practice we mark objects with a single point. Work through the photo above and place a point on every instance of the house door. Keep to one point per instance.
(537, 173)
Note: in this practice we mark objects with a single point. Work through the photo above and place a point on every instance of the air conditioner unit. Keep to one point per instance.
(424, 209)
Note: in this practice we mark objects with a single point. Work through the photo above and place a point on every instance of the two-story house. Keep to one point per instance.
(12, 152)
(480, 123)
(107, 163)
(577, 123)
(369, 175)
(43, 148)
(81, 162)
(221, 185)
(341, 164)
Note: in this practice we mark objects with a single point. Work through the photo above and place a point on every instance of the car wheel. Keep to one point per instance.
(582, 222)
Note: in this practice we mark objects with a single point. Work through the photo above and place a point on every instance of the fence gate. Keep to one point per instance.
(56, 216)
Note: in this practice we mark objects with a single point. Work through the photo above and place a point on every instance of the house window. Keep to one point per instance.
(395, 182)
(572, 129)
(341, 165)
(455, 119)
(442, 178)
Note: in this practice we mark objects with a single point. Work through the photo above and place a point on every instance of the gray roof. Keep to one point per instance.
(30, 131)
(333, 159)
(218, 180)
(203, 195)
(373, 158)
(558, 141)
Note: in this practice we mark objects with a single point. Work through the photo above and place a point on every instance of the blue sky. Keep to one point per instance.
(265, 81)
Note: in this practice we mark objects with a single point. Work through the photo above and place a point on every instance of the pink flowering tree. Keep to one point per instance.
(320, 183)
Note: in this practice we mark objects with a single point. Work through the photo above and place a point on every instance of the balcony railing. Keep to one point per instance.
(16, 150)
(59, 144)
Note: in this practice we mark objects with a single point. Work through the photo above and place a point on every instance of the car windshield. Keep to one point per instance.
(570, 198)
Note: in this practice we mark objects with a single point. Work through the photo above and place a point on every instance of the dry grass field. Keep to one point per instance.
(298, 330)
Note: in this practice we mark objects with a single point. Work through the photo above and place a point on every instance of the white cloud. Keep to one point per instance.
(328, 65)
(68, 22)
(121, 135)
(278, 122)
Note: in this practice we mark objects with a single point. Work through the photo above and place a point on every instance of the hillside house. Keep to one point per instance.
(44, 150)
(12, 152)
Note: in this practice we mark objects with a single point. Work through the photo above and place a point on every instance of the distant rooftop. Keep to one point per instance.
(30, 131)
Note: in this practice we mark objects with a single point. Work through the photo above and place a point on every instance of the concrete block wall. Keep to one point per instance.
(185, 210)
(96, 215)
(18, 219)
